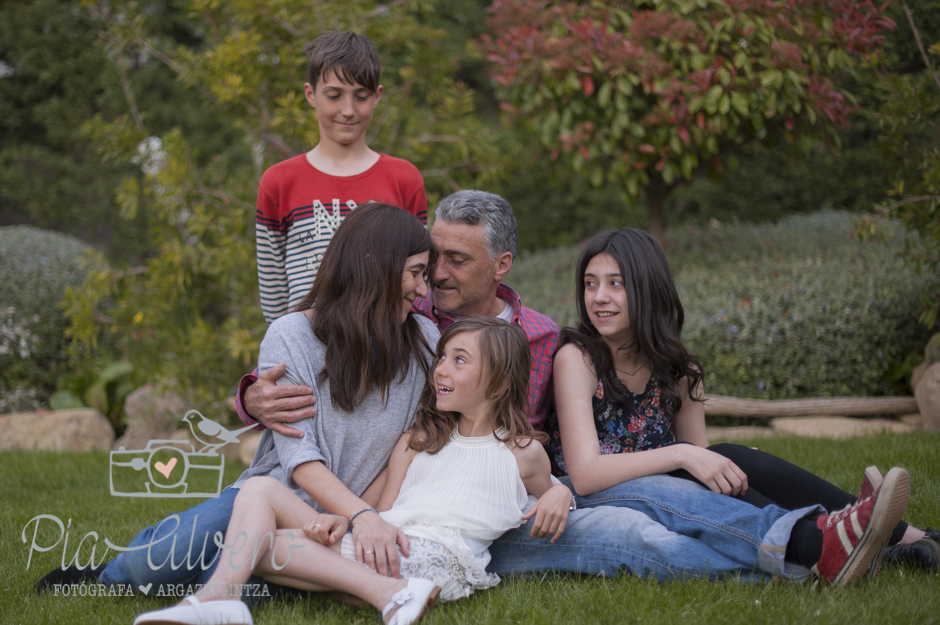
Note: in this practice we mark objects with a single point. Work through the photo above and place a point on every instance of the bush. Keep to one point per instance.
(36, 266)
(795, 309)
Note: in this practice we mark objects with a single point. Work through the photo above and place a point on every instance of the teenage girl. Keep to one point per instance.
(624, 382)
(456, 481)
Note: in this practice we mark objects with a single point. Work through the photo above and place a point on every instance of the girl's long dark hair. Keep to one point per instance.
(357, 302)
(505, 351)
(656, 317)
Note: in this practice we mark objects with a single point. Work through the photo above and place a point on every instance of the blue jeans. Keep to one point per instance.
(660, 527)
(181, 549)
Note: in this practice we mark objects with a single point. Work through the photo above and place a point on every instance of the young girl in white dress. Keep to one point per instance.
(457, 480)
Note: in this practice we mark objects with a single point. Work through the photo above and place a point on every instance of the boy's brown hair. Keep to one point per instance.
(351, 57)
(505, 352)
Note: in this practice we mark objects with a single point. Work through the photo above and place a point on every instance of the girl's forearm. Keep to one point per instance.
(602, 471)
(327, 490)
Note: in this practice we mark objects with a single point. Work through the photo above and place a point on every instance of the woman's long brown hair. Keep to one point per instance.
(505, 353)
(357, 301)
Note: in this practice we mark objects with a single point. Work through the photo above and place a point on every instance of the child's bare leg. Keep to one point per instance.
(318, 568)
(263, 505)
(286, 556)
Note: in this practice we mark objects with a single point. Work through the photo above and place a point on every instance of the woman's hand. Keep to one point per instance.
(326, 529)
(713, 470)
(377, 543)
(550, 512)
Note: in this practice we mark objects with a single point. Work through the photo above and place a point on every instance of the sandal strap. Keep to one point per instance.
(197, 606)
(399, 599)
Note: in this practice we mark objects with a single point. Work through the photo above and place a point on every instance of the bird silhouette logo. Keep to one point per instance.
(205, 430)
(175, 468)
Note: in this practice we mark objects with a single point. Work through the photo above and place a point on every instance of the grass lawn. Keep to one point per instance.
(75, 487)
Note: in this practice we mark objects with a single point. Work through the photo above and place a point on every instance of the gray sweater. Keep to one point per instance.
(354, 446)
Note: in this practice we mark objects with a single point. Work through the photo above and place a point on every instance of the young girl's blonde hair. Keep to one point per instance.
(505, 353)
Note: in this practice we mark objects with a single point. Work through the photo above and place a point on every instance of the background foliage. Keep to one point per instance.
(36, 267)
(641, 94)
(56, 75)
(909, 115)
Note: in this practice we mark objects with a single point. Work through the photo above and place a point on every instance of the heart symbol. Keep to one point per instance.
(165, 469)
(146, 589)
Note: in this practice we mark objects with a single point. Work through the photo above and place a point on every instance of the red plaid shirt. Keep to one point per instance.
(541, 331)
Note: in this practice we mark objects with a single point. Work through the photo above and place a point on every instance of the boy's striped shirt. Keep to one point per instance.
(299, 209)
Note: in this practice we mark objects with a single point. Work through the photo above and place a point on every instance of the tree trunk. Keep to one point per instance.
(656, 194)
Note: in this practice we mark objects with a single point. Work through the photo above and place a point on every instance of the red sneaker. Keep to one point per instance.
(856, 536)
(871, 482)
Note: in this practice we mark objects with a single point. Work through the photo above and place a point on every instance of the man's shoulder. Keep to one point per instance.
(531, 320)
(535, 319)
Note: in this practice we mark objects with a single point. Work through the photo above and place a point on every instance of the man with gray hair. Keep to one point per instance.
(474, 235)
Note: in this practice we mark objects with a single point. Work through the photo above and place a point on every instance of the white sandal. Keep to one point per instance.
(409, 604)
(223, 612)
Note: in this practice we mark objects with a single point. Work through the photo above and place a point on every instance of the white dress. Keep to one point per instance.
(452, 506)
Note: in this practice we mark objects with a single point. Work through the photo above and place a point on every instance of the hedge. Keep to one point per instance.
(36, 266)
(795, 309)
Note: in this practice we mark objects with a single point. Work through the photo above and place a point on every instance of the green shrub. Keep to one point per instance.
(795, 309)
(36, 266)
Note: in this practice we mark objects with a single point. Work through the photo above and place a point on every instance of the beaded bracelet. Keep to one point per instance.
(353, 517)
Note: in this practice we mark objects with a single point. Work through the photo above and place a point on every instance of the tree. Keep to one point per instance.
(54, 76)
(910, 124)
(190, 311)
(642, 93)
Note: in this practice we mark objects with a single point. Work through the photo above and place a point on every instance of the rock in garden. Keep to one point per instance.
(79, 429)
(928, 397)
(836, 427)
(915, 420)
(151, 414)
(917, 374)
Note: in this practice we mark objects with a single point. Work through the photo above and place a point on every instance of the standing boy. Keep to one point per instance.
(302, 200)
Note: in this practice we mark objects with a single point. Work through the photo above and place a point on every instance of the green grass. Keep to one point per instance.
(75, 486)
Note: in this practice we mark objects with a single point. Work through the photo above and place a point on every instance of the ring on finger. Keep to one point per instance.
(369, 553)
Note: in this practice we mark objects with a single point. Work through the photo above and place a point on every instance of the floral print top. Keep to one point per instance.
(620, 429)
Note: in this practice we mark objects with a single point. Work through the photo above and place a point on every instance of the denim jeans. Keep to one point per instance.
(660, 527)
(181, 549)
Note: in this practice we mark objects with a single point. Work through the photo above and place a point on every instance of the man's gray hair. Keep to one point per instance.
(479, 208)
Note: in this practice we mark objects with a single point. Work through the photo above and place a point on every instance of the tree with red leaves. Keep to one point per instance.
(642, 93)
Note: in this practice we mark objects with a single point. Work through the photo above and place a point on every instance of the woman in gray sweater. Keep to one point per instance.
(354, 341)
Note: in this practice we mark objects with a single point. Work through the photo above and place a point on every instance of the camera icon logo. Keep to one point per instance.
(174, 468)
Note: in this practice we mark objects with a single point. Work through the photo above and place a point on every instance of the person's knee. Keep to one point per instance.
(730, 451)
(260, 486)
